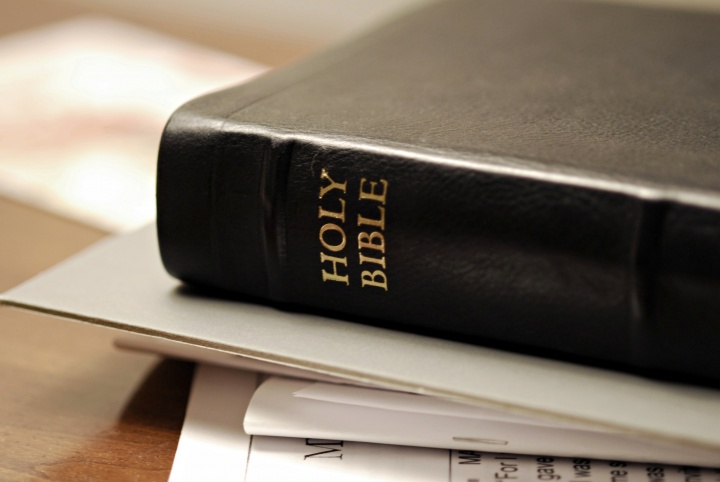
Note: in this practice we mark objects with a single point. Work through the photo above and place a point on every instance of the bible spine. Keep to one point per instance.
(428, 242)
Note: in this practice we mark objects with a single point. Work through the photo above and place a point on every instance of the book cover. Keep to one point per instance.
(544, 174)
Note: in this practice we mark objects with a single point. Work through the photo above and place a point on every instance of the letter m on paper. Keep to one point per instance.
(327, 449)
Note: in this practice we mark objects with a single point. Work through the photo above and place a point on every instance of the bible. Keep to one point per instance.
(542, 174)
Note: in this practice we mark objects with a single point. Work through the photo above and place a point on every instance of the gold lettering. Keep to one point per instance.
(362, 220)
(334, 276)
(370, 279)
(332, 247)
(366, 259)
(333, 185)
(333, 238)
(374, 240)
(372, 195)
(330, 214)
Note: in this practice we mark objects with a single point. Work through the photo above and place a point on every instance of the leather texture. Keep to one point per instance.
(552, 169)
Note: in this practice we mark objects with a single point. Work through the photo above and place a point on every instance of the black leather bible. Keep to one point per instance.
(539, 173)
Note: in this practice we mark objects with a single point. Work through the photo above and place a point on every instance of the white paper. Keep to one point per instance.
(299, 408)
(399, 401)
(186, 351)
(213, 445)
(271, 459)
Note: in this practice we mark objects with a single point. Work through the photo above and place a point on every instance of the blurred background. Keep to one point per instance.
(298, 23)
(291, 25)
(89, 84)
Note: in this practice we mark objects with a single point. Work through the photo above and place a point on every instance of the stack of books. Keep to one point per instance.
(499, 222)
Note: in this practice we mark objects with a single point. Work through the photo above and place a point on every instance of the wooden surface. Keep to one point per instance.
(72, 407)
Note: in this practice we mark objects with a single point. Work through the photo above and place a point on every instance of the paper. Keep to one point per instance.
(213, 445)
(265, 459)
(393, 400)
(299, 408)
(186, 351)
(84, 104)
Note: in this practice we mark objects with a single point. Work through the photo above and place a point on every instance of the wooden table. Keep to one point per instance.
(72, 407)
